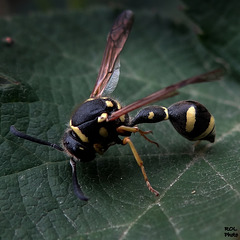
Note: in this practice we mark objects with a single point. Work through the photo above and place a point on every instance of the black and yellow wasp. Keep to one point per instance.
(101, 121)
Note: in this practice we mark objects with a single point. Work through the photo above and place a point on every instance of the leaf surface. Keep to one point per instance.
(51, 69)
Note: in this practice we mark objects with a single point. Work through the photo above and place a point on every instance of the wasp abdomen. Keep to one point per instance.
(192, 120)
(151, 114)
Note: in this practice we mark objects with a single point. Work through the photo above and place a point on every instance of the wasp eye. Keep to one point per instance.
(77, 148)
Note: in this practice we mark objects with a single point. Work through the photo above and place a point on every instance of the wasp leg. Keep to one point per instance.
(195, 145)
(76, 188)
(140, 163)
(123, 129)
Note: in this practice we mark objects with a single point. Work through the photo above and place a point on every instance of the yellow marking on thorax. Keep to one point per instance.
(103, 132)
(103, 117)
(79, 133)
(118, 105)
(90, 99)
(190, 119)
(109, 103)
(150, 115)
(122, 118)
(210, 128)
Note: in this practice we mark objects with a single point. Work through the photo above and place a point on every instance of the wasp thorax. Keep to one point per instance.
(90, 132)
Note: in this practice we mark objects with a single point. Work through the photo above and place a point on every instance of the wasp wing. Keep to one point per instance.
(168, 92)
(113, 81)
(110, 67)
(115, 42)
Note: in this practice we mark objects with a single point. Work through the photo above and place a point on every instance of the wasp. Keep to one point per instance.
(100, 121)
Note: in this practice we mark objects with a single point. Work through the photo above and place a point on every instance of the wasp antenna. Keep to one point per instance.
(17, 133)
(76, 188)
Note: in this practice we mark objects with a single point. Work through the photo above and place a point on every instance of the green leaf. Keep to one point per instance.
(50, 70)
